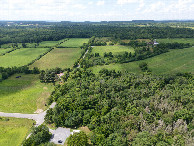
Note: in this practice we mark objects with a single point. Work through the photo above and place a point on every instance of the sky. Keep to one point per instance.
(96, 10)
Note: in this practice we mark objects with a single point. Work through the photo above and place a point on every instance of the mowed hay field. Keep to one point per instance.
(23, 95)
(181, 60)
(114, 49)
(59, 57)
(21, 57)
(74, 42)
(179, 40)
(13, 131)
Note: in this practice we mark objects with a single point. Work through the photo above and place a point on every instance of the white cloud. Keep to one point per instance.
(79, 6)
(100, 3)
(122, 2)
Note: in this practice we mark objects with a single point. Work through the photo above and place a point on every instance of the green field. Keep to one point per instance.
(114, 49)
(49, 43)
(171, 62)
(59, 57)
(2, 51)
(74, 43)
(14, 131)
(21, 57)
(181, 40)
(23, 95)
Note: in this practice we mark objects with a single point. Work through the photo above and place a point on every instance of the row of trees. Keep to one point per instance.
(126, 109)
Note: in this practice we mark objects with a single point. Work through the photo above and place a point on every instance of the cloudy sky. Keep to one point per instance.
(96, 10)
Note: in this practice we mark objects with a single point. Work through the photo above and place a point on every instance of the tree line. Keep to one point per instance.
(16, 34)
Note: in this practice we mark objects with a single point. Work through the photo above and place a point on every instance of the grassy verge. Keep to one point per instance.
(23, 95)
(13, 131)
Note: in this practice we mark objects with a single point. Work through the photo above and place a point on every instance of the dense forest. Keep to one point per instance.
(16, 34)
(124, 108)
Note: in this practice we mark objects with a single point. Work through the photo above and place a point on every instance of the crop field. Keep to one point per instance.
(59, 57)
(49, 43)
(141, 40)
(13, 131)
(28, 45)
(171, 62)
(74, 43)
(23, 95)
(114, 49)
(181, 40)
(2, 51)
(21, 57)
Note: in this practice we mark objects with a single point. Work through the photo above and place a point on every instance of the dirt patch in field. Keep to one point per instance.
(45, 88)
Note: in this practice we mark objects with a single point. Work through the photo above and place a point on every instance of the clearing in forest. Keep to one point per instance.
(21, 57)
(13, 131)
(179, 60)
(23, 95)
(74, 42)
(59, 57)
(114, 49)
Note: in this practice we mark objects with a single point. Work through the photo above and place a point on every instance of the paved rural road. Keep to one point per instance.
(58, 134)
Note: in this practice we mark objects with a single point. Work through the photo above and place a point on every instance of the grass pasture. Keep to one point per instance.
(49, 43)
(23, 95)
(21, 57)
(171, 62)
(114, 49)
(14, 131)
(179, 40)
(59, 57)
(3, 51)
(74, 42)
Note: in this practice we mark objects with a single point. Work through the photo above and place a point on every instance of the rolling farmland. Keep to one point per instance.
(59, 57)
(13, 131)
(23, 95)
(170, 62)
(114, 49)
(74, 43)
(21, 57)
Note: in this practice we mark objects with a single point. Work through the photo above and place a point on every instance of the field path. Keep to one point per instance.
(58, 134)
(83, 58)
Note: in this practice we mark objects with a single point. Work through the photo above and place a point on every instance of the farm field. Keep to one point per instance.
(28, 45)
(141, 40)
(171, 62)
(59, 57)
(179, 40)
(23, 95)
(74, 42)
(2, 51)
(114, 49)
(49, 43)
(13, 131)
(21, 56)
